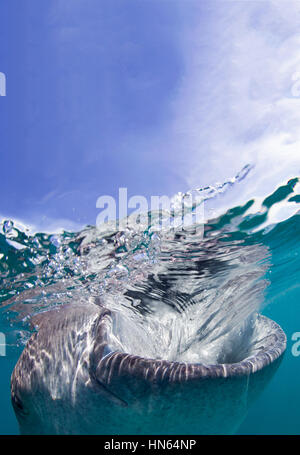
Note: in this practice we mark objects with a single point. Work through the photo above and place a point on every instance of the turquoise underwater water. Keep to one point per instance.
(276, 411)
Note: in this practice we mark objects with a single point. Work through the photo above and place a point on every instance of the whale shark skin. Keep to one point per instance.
(70, 380)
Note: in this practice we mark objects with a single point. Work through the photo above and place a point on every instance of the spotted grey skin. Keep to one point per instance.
(69, 380)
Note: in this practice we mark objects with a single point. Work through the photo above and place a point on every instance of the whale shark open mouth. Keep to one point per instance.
(85, 372)
(117, 355)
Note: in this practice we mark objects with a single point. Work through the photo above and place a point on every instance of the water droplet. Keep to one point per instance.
(7, 226)
(55, 240)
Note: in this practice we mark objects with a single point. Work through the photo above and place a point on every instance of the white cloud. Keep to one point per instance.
(235, 104)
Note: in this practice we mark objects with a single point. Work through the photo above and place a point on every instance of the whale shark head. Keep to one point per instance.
(89, 370)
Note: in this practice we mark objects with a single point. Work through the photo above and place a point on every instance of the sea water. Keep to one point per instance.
(193, 295)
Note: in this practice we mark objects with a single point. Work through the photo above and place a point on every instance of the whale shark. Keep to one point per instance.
(162, 336)
(75, 377)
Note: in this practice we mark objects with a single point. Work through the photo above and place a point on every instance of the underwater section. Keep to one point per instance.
(187, 294)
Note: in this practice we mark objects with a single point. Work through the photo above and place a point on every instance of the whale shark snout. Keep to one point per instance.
(76, 377)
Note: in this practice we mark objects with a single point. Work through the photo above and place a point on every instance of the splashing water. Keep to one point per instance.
(189, 295)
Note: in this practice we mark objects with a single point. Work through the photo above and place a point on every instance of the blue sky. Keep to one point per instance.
(156, 96)
(88, 85)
